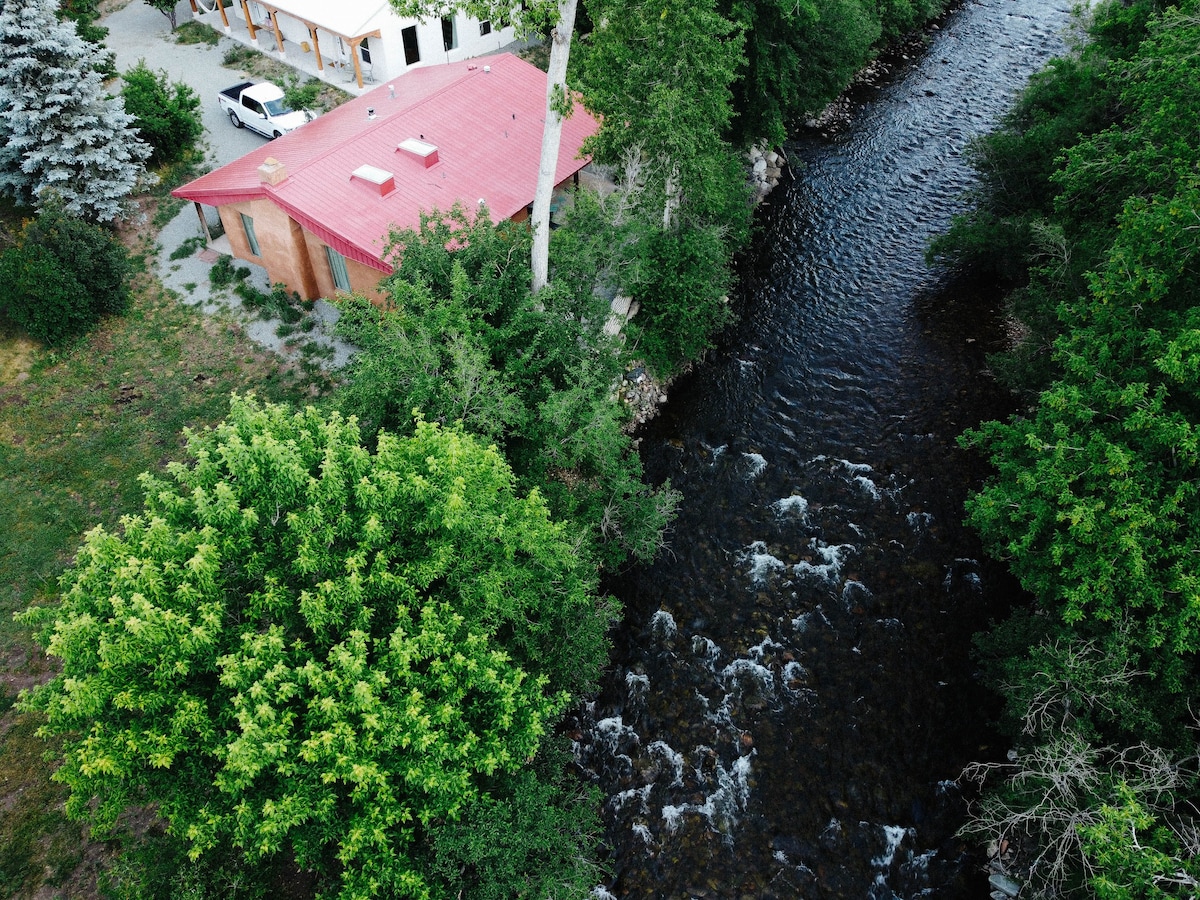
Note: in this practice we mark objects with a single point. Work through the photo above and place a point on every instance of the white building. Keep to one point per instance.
(353, 42)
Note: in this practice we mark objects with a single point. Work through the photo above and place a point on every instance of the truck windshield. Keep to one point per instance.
(277, 107)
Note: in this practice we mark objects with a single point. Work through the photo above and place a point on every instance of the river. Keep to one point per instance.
(791, 696)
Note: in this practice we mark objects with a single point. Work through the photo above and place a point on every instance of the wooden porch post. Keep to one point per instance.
(312, 33)
(354, 42)
(250, 26)
(203, 223)
(278, 33)
(224, 17)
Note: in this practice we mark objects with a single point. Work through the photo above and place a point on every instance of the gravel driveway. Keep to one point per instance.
(138, 31)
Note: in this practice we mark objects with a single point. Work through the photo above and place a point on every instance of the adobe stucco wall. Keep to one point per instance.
(296, 257)
(290, 254)
(363, 279)
(279, 239)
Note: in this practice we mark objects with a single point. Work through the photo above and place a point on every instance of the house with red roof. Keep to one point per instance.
(316, 206)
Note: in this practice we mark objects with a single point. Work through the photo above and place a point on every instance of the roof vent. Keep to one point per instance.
(380, 179)
(424, 153)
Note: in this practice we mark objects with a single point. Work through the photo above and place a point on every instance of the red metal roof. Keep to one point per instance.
(485, 117)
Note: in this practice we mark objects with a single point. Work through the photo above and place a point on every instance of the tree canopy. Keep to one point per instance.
(62, 274)
(1091, 189)
(463, 340)
(59, 133)
(303, 647)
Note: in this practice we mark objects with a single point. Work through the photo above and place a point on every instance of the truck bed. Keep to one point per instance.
(235, 93)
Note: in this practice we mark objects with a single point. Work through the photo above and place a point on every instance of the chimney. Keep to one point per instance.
(272, 171)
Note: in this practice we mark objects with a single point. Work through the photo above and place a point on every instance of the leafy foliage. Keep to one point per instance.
(1022, 230)
(684, 302)
(300, 647)
(167, 115)
(167, 8)
(1094, 502)
(657, 77)
(526, 845)
(1133, 856)
(800, 56)
(59, 133)
(462, 340)
(62, 275)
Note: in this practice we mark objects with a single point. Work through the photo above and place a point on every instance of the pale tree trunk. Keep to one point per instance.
(556, 86)
(671, 189)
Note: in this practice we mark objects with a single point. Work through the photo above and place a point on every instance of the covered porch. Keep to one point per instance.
(331, 49)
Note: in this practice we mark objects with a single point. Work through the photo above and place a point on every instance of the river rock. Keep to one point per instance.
(1004, 885)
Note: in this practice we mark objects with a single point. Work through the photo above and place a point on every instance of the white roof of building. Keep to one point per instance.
(346, 17)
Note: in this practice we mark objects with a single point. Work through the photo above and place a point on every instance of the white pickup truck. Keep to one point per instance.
(260, 107)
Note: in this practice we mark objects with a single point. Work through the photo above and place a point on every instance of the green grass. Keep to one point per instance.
(38, 846)
(193, 32)
(76, 432)
(77, 426)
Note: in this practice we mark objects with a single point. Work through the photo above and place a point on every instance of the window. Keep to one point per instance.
(364, 51)
(337, 268)
(449, 33)
(485, 27)
(412, 51)
(251, 237)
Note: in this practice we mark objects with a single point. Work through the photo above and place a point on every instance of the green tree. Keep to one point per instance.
(557, 19)
(61, 275)
(463, 340)
(167, 115)
(1094, 504)
(59, 133)
(167, 8)
(798, 57)
(657, 76)
(302, 647)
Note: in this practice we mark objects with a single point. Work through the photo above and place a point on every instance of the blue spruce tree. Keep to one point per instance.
(59, 132)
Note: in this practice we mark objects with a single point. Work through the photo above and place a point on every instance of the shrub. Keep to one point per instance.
(62, 275)
(223, 274)
(301, 96)
(166, 114)
(683, 299)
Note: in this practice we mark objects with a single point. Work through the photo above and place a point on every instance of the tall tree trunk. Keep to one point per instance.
(671, 189)
(556, 87)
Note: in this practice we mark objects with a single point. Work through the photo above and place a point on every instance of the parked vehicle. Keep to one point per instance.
(260, 107)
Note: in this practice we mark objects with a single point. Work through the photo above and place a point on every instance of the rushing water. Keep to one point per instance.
(792, 696)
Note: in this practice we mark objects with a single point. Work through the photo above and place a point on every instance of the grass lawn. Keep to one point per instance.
(77, 426)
